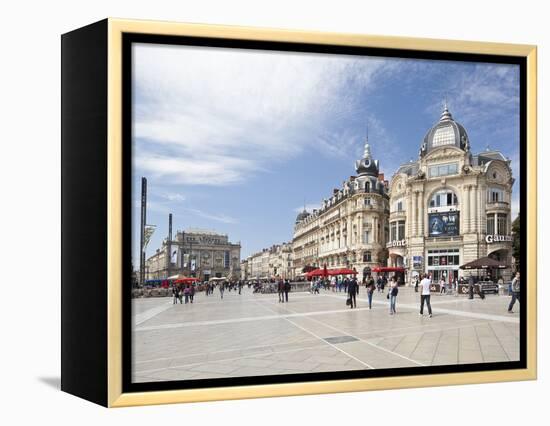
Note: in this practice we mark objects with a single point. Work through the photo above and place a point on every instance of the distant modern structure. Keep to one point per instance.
(196, 253)
(350, 228)
(450, 206)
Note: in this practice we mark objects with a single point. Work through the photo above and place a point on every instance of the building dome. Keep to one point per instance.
(302, 215)
(447, 132)
(367, 166)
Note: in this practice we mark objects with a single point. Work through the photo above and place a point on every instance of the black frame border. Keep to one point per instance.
(129, 38)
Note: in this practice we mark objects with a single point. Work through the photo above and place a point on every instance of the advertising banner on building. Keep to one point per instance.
(443, 224)
(174, 255)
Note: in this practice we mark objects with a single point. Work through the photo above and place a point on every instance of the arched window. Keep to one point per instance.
(443, 198)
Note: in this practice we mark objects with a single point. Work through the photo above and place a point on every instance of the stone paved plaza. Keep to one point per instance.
(253, 334)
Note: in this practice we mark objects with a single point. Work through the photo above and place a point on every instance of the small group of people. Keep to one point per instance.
(283, 288)
(186, 291)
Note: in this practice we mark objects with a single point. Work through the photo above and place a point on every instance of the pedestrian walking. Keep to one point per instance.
(222, 289)
(392, 292)
(425, 295)
(416, 282)
(352, 293)
(175, 294)
(191, 293)
(186, 294)
(286, 289)
(281, 291)
(515, 293)
(471, 287)
(370, 291)
(442, 286)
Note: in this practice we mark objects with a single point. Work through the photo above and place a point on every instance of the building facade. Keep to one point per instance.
(350, 229)
(450, 207)
(196, 253)
(272, 262)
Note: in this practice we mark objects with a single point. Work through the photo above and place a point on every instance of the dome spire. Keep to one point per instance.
(366, 152)
(445, 115)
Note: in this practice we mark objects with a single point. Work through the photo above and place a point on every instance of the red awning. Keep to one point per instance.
(330, 272)
(186, 280)
(387, 269)
(342, 271)
(316, 273)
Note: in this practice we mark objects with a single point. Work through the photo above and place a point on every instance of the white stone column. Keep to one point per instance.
(482, 217)
(466, 208)
(421, 213)
(473, 209)
(408, 215)
(349, 231)
(414, 214)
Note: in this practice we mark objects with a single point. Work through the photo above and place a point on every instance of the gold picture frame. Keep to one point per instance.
(114, 30)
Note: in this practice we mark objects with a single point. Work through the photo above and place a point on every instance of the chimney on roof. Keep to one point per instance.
(381, 177)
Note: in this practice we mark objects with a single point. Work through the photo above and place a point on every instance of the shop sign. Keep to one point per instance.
(397, 243)
(490, 239)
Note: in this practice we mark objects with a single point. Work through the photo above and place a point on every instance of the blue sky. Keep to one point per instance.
(237, 140)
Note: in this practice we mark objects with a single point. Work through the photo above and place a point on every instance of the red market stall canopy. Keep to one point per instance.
(186, 280)
(330, 272)
(485, 263)
(387, 269)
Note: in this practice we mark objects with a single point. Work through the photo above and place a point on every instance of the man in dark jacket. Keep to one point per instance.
(352, 293)
(515, 293)
(287, 289)
(281, 290)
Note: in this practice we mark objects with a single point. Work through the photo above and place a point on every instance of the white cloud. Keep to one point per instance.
(173, 196)
(484, 95)
(214, 116)
(211, 216)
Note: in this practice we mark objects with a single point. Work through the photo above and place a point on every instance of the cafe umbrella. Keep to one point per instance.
(487, 263)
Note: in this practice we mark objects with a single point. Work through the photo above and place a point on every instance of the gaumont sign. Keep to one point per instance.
(396, 243)
(490, 239)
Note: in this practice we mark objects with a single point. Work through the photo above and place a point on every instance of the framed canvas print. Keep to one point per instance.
(251, 212)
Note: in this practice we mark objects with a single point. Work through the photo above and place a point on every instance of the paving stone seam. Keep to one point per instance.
(362, 340)
(324, 341)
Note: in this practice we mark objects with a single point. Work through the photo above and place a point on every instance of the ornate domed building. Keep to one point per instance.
(350, 228)
(450, 206)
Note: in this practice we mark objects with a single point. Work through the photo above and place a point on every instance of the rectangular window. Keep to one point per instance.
(401, 230)
(366, 237)
(226, 260)
(443, 170)
(491, 224)
(393, 231)
(501, 224)
(495, 195)
(367, 201)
